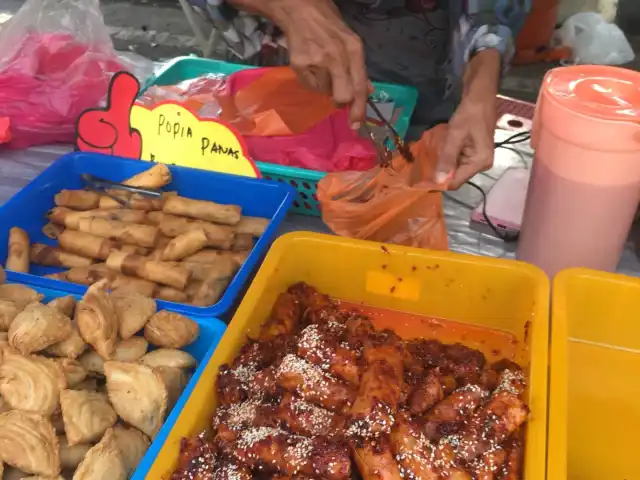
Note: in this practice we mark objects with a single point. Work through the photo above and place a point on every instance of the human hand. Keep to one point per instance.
(324, 52)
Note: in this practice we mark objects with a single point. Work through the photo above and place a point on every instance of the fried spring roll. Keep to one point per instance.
(134, 201)
(218, 236)
(18, 251)
(212, 256)
(56, 257)
(154, 218)
(154, 178)
(77, 199)
(91, 274)
(125, 283)
(203, 210)
(209, 291)
(242, 242)
(375, 461)
(157, 272)
(413, 451)
(449, 415)
(129, 233)
(132, 249)
(284, 318)
(184, 245)
(86, 245)
(254, 226)
(171, 295)
(320, 345)
(429, 391)
(225, 268)
(52, 231)
(125, 215)
(312, 384)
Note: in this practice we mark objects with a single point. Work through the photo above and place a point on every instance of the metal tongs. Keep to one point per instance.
(106, 186)
(383, 150)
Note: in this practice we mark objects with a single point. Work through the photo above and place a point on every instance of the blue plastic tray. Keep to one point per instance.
(211, 331)
(261, 198)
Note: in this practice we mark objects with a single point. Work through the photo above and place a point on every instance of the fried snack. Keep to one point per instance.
(4, 342)
(58, 215)
(21, 295)
(224, 268)
(131, 349)
(86, 415)
(464, 363)
(490, 464)
(8, 311)
(197, 460)
(92, 362)
(284, 318)
(90, 384)
(71, 456)
(242, 242)
(168, 357)
(133, 312)
(77, 199)
(128, 233)
(90, 275)
(138, 394)
(18, 251)
(161, 243)
(412, 450)
(305, 419)
(55, 257)
(133, 445)
(184, 245)
(449, 415)
(73, 371)
(210, 256)
(321, 345)
(29, 443)
(512, 468)
(171, 330)
(209, 291)
(97, 320)
(153, 271)
(429, 391)
(317, 307)
(65, 305)
(254, 226)
(218, 236)
(175, 380)
(102, 462)
(172, 295)
(52, 231)
(38, 327)
(203, 210)
(311, 383)
(134, 201)
(375, 460)
(71, 347)
(32, 384)
(154, 178)
(86, 245)
(133, 285)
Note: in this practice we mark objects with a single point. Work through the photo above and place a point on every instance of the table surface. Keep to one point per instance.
(18, 167)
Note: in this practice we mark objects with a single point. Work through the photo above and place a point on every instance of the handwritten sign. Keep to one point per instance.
(167, 133)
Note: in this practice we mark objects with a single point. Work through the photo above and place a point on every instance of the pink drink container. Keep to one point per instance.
(585, 182)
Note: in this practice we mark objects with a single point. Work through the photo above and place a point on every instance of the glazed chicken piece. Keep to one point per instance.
(321, 345)
(305, 419)
(413, 451)
(512, 468)
(489, 465)
(317, 307)
(423, 355)
(284, 319)
(430, 390)
(449, 415)
(464, 363)
(197, 459)
(374, 459)
(231, 470)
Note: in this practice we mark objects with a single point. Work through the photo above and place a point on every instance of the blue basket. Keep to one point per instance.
(27, 210)
(303, 180)
(211, 331)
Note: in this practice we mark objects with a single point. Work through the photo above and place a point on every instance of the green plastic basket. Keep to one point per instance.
(303, 180)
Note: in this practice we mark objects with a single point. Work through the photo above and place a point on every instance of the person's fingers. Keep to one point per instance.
(359, 81)
(451, 150)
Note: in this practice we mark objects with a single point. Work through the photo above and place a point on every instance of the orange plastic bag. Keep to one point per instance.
(400, 205)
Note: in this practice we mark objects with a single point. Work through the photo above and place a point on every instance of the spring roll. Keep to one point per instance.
(132, 249)
(284, 318)
(203, 210)
(312, 384)
(91, 274)
(154, 178)
(184, 245)
(154, 218)
(128, 284)
(129, 233)
(413, 451)
(154, 271)
(212, 256)
(61, 276)
(171, 295)
(242, 242)
(122, 215)
(134, 202)
(223, 269)
(375, 461)
(86, 245)
(56, 257)
(18, 251)
(450, 415)
(77, 199)
(254, 226)
(52, 231)
(218, 236)
(209, 291)
(161, 243)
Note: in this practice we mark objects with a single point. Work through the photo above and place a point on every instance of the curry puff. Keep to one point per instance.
(86, 415)
(171, 330)
(97, 320)
(102, 462)
(133, 311)
(38, 327)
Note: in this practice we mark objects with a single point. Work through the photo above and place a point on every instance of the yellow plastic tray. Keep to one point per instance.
(594, 407)
(499, 294)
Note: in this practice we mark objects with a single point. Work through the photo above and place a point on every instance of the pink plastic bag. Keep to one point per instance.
(56, 61)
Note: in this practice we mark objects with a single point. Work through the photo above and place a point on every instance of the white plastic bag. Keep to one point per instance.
(595, 41)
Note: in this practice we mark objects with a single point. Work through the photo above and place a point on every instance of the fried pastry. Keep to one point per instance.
(171, 330)
(87, 415)
(175, 379)
(102, 462)
(97, 320)
(168, 357)
(29, 442)
(133, 311)
(138, 394)
(90, 384)
(65, 305)
(8, 311)
(38, 327)
(20, 294)
(31, 383)
(71, 455)
(131, 349)
(133, 444)
(73, 371)
(4, 341)
(92, 362)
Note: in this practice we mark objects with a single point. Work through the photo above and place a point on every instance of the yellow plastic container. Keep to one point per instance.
(594, 407)
(499, 294)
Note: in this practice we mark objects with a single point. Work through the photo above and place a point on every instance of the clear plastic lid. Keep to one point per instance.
(604, 92)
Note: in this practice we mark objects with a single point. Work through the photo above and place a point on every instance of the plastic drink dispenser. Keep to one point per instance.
(585, 183)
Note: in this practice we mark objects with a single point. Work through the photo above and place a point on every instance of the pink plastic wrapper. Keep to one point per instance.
(56, 61)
